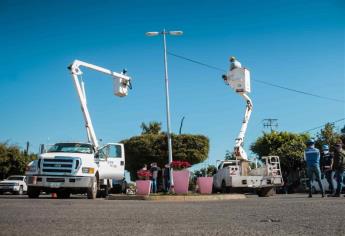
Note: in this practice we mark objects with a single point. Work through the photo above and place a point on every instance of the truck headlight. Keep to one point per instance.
(16, 184)
(88, 170)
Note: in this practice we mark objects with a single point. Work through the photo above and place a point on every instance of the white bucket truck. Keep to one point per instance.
(236, 174)
(76, 167)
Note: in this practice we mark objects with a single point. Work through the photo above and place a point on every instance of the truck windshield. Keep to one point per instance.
(71, 147)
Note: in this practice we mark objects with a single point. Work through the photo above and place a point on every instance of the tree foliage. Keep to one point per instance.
(288, 146)
(328, 136)
(205, 172)
(152, 147)
(229, 155)
(152, 128)
(12, 160)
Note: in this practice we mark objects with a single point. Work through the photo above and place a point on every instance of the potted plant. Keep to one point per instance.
(181, 176)
(143, 184)
(205, 180)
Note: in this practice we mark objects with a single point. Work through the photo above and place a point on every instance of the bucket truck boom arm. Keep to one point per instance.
(239, 80)
(121, 85)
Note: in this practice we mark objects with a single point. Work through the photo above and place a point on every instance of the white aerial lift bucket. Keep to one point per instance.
(239, 80)
(121, 87)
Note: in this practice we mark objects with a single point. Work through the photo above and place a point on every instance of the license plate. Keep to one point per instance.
(55, 185)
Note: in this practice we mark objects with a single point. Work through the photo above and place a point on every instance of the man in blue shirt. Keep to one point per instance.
(312, 157)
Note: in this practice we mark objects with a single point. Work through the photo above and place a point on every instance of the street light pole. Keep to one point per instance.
(164, 33)
(168, 107)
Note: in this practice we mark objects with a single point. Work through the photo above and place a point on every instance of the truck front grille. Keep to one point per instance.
(56, 180)
(59, 165)
(7, 184)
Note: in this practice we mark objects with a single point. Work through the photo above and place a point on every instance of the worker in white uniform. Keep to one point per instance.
(233, 65)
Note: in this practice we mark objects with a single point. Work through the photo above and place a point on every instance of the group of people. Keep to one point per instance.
(331, 163)
(157, 172)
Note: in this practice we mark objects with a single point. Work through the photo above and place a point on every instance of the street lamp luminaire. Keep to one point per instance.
(164, 33)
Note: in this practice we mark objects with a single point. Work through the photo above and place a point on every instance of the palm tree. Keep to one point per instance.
(153, 127)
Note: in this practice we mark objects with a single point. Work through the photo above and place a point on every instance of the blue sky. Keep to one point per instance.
(296, 44)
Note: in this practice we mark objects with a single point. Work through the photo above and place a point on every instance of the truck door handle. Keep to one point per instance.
(122, 163)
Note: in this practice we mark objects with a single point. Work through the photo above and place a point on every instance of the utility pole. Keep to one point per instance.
(27, 148)
(270, 123)
(181, 124)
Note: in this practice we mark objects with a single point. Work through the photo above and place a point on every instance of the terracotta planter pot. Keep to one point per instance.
(205, 184)
(143, 187)
(181, 181)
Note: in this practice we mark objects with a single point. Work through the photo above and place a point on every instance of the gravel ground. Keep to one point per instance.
(279, 215)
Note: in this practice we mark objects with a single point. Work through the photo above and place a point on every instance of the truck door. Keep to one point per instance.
(112, 161)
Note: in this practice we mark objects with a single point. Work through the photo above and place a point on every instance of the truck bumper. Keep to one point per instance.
(256, 181)
(10, 189)
(59, 182)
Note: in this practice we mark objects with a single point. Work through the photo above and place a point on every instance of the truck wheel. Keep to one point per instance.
(33, 193)
(225, 189)
(265, 192)
(124, 187)
(20, 191)
(92, 191)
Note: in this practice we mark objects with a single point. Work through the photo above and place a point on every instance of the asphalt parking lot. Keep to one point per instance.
(279, 215)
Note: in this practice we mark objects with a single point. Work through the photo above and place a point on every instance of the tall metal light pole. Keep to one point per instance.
(164, 33)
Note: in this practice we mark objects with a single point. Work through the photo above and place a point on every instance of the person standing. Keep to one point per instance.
(327, 162)
(312, 158)
(339, 167)
(154, 170)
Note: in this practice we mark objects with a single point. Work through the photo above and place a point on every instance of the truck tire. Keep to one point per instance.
(265, 192)
(92, 191)
(33, 193)
(225, 189)
(20, 191)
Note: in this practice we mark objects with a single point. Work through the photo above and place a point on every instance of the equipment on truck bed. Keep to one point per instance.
(237, 173)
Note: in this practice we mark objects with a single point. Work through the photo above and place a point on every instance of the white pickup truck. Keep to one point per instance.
(76, 168)
(15, 184)
(232, 175)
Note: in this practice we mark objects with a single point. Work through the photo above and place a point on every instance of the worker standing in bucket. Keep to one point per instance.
(312, 158)
(234, 63)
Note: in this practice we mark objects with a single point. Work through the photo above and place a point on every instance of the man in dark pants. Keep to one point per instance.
(326, 163)
(339, 167)
(154, 171)
(312, 157)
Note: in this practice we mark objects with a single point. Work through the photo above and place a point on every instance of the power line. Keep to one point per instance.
(323, 125)
(259, 81)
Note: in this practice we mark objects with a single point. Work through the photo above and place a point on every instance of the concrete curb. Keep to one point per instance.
(178, 198)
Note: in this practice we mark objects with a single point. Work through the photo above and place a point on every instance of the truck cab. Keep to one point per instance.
(15, 184)
(67, 168)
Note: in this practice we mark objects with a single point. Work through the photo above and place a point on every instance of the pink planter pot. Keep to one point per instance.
(181, 181)
(143, 187)
(205, 184)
